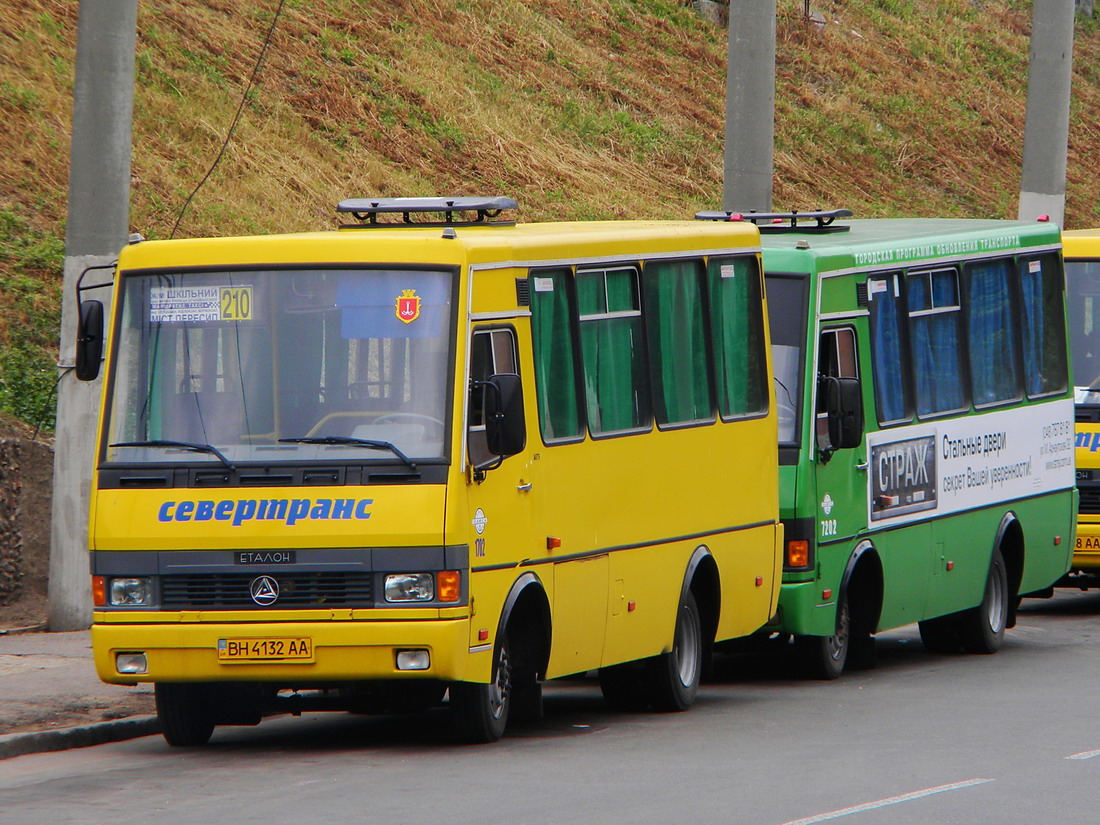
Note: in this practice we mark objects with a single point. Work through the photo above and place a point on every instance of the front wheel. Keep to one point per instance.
(186, 718)
(824, 657)
(672, 679)
(624, 687)
(940, 635)
(982, 629)
(480, 712)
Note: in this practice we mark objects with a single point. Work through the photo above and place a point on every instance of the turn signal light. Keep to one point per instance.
(447, 586)
(99, 591)
(798, 553)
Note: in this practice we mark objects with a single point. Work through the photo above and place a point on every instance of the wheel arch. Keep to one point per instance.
(526, 617)
(1010, 540)
(702, 578)
(862, 583)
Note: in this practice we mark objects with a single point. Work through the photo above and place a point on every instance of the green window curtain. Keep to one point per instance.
(677, 336)
(612, 353)
(737, 328)
(555, 360)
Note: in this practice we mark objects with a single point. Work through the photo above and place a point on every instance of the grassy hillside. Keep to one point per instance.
(578, 109)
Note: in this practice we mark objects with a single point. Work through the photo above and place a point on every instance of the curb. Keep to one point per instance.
(34, 628)
(82, 736)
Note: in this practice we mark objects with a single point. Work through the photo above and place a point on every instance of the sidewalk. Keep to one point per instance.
(53, 700)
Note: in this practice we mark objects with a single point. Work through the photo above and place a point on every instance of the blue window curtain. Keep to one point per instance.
(934, 337)
(994, 365)
(1045, 367)
(887, 361)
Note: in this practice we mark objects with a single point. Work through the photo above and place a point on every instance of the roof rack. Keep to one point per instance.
(367, 210)
(776, 222)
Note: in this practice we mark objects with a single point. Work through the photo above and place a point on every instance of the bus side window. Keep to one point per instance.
(559, 391)
(737, 333)
(492, 352)
(934, 312)
(613, 356)
(992, 332)
(1042, 284)
(677, 336)
(893, 397)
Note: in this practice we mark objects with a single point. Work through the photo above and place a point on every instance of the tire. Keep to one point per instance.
(624, 687)
(824, 657)
(982, 629)
(184, 713)
(527, 708)
(940, 635)
(672, 679)
(480, 712)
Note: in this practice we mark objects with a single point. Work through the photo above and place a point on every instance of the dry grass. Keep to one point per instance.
(577, 109)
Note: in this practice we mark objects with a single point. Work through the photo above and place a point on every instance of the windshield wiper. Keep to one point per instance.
(353, 442)
(185, 445)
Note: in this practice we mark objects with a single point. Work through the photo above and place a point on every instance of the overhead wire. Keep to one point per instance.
(236, 117)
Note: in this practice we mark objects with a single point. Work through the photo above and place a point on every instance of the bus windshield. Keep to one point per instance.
(1083, 304)
(787, 322)
(282, 365)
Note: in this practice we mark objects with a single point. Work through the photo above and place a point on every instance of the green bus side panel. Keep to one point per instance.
(917, 583)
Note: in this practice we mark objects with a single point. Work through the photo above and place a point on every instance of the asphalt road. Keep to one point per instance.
(1009, 738)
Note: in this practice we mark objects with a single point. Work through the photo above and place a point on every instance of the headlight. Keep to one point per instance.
(410, 587)
(135, 592)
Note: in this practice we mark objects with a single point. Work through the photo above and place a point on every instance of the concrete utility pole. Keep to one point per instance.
(97, 228)
(1046, 129)
(750, 106)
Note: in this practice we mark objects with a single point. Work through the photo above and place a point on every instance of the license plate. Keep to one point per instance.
(267, 649)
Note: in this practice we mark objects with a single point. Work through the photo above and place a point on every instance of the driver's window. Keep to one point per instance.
(836, 358)
(492, 352)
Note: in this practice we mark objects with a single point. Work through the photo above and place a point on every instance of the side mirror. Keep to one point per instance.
(505, 430)
(89, 340)
(841, 426)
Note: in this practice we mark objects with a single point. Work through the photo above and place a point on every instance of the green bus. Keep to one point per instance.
(926, 427)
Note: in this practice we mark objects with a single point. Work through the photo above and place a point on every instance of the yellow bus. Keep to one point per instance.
(433, 456)
(1081, 249)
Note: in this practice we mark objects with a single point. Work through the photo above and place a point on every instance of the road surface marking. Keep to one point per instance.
(882, 803)
(1084, 755)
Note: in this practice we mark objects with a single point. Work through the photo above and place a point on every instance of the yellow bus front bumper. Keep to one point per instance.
(341, 651)
(1086, 550)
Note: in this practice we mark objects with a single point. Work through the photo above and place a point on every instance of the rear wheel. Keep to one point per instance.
(672, 679)
(186, 718)
(982, 629)
(480, 712)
